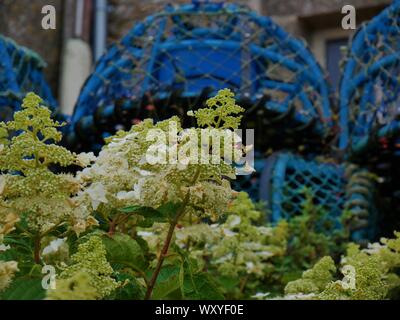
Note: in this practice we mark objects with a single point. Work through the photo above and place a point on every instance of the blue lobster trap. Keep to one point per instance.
(20, 73)
(338, 190)
(369, 135)
(370, 85)
(370, 105)
(174, 60)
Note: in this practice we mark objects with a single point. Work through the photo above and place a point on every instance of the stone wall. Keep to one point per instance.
(124, 13)
(21, 21)
(310, 7)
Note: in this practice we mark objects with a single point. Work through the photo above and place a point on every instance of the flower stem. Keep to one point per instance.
(167, 243)
(160, 262)
(37, 249)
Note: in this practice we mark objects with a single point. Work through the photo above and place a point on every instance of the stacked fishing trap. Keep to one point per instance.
(176, 59)
(370, 105)
(173, 61)
(20, 73)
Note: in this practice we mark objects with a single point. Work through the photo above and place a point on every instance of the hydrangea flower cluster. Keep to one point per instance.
(373, 279)
(88, 277)
(77, 287)
(240, 247)
(28, 185)
(154, 164)
(237, 246)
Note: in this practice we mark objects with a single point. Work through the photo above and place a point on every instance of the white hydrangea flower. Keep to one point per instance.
(374, 248)
(124, 195)
(122, 163)
(265, 254)
(266, 231)
(118, 142)
(247, 169)
(250, 267)
(298, 296)
(4, 248)
(229, 233)
(97, 194)
(234, 221)
(86, 159)
(144, 173)
(54, 246)
(260, 295)
(2, 183)
(224, 258)
(145, 234)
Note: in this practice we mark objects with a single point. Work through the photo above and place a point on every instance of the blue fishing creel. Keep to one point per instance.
(370, 85)
(176, 59)
(334, 188)
(20, 73)
(369, 117)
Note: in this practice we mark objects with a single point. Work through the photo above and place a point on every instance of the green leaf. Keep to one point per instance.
(24, 258)
(24, 288)
(163, 214)
(201, 287)
(143, 211)
(170, 209)
(229, 283)
(124, 251)
(133, 290)
(167, 282)
(150, 215)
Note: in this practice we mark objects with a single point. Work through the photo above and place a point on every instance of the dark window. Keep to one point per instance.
(333, 58)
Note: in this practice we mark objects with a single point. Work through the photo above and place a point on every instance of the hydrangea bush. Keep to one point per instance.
(148, 218)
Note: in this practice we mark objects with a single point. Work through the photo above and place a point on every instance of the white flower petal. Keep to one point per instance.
(2, 184)
(97, 194)
(86, 159)
(54, 246)
(235, 221)
(4, 248)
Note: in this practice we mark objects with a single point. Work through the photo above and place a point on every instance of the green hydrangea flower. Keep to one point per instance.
(222, 112)
(89, 276)
(372, 274)
(28, 185)
(78, 287)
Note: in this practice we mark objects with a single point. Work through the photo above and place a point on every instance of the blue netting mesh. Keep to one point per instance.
(334, 188)
(369, 105)
(174, 60)
(20, 73)
(370, 86)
